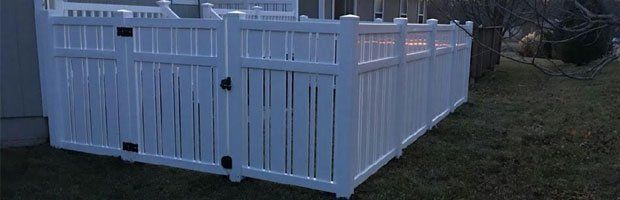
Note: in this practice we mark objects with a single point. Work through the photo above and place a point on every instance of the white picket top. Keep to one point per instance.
(74, 9)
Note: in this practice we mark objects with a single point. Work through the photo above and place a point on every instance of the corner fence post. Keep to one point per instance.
(470, 29)
(237, 150)
(399, 86)
(346, 106)
(454, 62)
(431, 48)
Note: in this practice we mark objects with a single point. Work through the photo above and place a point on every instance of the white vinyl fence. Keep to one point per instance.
(314, 104)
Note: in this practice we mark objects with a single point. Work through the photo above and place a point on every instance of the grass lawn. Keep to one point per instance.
(522, 136)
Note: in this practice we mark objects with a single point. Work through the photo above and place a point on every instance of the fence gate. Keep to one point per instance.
(285, 86)
(144, 89)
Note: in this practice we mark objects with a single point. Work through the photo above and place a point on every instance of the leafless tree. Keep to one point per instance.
(542, 16)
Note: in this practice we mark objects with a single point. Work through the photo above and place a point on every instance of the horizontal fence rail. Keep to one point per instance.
(322, 105)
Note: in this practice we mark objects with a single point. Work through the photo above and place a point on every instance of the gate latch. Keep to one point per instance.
(226, 84)
(124, 31)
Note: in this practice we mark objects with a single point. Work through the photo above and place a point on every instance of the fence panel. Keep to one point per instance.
(439, 85)
(460, 69)
(86, 84)
(288, 91)
(415, 76)
(377, 77)
(175, 68)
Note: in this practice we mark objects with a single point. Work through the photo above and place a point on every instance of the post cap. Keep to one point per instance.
(350, 17)
(163, 3)
(240, 14)
(432, 21)
(206, 4)
(401, 20)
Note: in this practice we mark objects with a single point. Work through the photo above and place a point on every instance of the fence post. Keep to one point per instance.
(44, 47)
(454, 62)
(207, 12)
(431, 48)
(232, 26)
(48, 82)
(469, 26)
(346, 106)
(399, 86)
(127, 87)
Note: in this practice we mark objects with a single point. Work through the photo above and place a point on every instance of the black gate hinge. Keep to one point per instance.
(124, 31)
(130, 147)
(226, 162)
(226, 83)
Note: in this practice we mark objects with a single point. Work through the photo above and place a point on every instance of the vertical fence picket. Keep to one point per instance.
(278, 121)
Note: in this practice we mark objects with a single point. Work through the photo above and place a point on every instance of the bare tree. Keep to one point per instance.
(567, 20)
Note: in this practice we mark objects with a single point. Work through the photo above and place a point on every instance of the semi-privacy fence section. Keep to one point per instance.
(321, 105)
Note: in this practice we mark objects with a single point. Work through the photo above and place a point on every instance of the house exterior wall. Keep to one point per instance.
(412, 11)
(21, 112)
(342, 7)
(434, 12)
(364, 9)
(329, 6)
(391, 10)
(309, 8)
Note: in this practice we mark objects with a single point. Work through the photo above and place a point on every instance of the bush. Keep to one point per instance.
(587, 47)
(529, 46)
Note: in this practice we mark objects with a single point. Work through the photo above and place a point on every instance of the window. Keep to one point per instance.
(379, 9)
(403, 8)
(422, 11)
